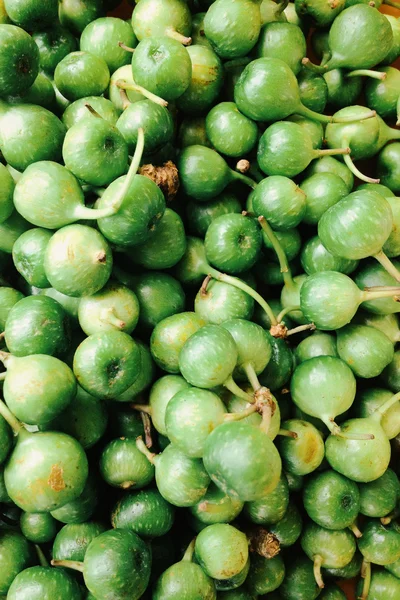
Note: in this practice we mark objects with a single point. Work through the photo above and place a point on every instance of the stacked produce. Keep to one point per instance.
(199, 242)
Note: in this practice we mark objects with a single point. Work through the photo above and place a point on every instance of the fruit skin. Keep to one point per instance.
(72, 540)
(271, 508)
(365, 349)
(161, 17)
(144, 512)
(206, 83)
(29, 16)
(222, 550)
(106, 364)
(182, 581)
(28, 256)
(191, 479)
(101, 38)
(379, 544)
(106, 153)
(163, 66)
(284, 41)
(155, 120)
(53, 45)
(38, 527)
(58, 478)
(30, 133)
(299, 582)
(230, 132)
(123, 466)
(16, 554)
(78, 261)
(37, 325)
(122, 553)
(170, 335)
(383, 585)
(38, 388)
(359, 460)
(232, 27)
(231, 446)
(350, 38)
(388, 169)
(331, 500)
(81, 74)
(44, 583)
(208, 357)
(266, 574)
(19, 63)
(378, 498)
(336, 548)
(81, 508)
(304, 454)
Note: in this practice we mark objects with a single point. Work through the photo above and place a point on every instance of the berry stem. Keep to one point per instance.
(286, 311)
(188, 556)
(251, 375)
(317, 571)
(175, 35)
(235, 175)
(42, 559)
(266, 417)
(354, 528)
(125, 47)
(382, 410)
(366, 575)
(300, 328)
(288, 433)
(331, 152)
(83, 212)
(241, 415)
(141, 446)
(237, 391)
(76, 565)
(349, 163)
(279, 251)
(241, 285)
(335, 429)
(134, 87)
(7, 415)
(367, 73)
(387, 264)
(147, 429)
(306, 62)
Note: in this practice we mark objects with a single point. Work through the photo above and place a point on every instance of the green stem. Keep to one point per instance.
(306, 62)
(335, 429)
(317, 571)
(124, 99)
(288, 433)
(42, 559)
(279, 251)
(286, 311)
(138, 88)
(300, 328)
(251, 375)
(125, 47)
(237, 391)
(241, 285)
(380, 412)
(7, 415)
(76, 565)
(108, 316)
(266, 418)
(387, 264)
(376, 292)
(175, 35)
(331, 152)
(141, 446)
(367, 73)
(241, 415)
(188, 556)
(366, 575)
(349, 163)
(83, 212)
(93, 111)
(353, 119)
(235, 175)
(354, 528)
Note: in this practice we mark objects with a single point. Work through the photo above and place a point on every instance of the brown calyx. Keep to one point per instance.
(263, 542)
(279, 330)
(166, 177)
